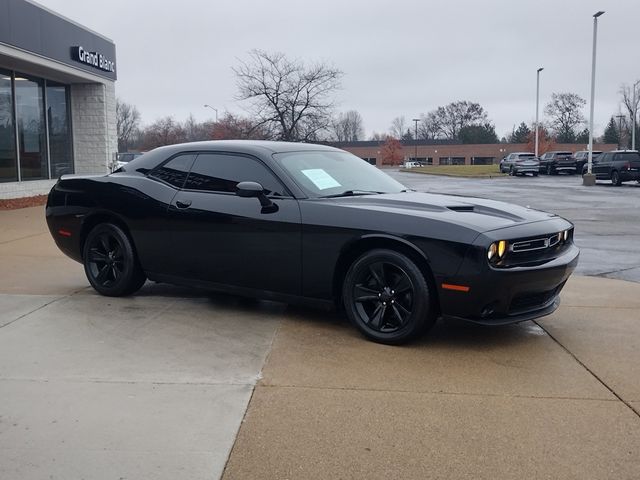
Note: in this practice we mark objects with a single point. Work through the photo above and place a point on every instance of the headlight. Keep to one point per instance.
(565, 235)
(497, 251)
(491, 252)
(502, 248)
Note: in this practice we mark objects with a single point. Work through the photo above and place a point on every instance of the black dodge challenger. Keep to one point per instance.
(313, 224)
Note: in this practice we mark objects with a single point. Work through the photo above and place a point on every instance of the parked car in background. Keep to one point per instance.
(618, 166)
(582, 157)
(123, 158)
(412, 164)
(520, 163)
(555, 162)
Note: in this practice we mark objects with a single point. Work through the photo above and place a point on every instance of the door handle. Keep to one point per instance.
(183, 203)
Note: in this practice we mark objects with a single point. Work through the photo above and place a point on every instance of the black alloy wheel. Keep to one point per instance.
(110, 262)
(615, 178)
(387, 298)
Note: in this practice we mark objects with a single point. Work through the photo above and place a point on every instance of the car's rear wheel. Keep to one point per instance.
(110, 261)
(387, 298)
(615, 178)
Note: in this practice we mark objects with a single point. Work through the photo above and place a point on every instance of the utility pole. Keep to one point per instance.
(590, 179)
(537, 104)
(635, 114)
(415, 139)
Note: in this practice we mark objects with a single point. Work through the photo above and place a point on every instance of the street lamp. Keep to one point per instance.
(214, 109)
(537, 103)
(635, 114)
(415, 139)
(619, 117)
(590, 179)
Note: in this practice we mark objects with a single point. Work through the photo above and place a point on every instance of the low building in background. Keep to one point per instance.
(446, 152)
(57, 99)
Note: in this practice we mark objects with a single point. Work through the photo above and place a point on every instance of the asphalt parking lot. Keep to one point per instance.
(176, 383)
(607, 218)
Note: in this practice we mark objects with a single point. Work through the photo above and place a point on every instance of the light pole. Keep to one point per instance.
(590, 179)
(537, 104)
(635, 114)
(415, 139)
(619, 117)
(214, 109)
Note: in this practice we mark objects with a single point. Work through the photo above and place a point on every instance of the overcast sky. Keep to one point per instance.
(399, 57)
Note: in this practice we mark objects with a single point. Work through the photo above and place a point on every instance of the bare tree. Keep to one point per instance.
(565, 112)
(398, 127)
(429, 127)
(288, 97)
(628, 98)
(347, 127)
(127, 122)
(235, 127)
(164, 131)
(451, 118)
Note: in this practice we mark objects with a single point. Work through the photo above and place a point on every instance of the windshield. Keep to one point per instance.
(327, 173)
(526, 156)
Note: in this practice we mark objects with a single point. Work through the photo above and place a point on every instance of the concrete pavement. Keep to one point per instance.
(157, 385)
(147, 387)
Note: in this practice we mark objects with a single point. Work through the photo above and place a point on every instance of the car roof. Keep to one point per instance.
(523, 153)
(560, 151)
(260, 148)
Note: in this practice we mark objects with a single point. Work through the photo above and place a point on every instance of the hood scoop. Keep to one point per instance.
(461, 208)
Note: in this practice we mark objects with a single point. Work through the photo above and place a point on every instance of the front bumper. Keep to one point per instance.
(500, 296)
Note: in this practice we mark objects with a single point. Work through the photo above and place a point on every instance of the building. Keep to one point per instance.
(57, 99)
(447, 152)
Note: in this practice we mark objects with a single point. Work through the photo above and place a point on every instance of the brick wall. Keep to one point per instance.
(497, 150)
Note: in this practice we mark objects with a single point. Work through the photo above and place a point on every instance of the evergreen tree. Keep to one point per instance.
(583, 136)
(485, 133)
(611, 134)
(521, 134)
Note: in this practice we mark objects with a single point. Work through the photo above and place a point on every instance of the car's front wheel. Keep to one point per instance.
(549, 170)
(387, 298)
(615, 178)
(110, 261)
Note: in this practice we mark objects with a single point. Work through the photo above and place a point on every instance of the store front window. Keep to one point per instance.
(7, 133)
(31, 128)
(35, 145)
(59, 130)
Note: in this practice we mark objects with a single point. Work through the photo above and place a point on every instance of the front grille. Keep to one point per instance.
(531, 301)
(536, 243)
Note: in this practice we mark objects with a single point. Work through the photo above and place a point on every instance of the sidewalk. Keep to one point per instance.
(525, 401)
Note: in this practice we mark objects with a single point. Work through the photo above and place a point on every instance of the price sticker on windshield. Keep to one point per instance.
(321, 179)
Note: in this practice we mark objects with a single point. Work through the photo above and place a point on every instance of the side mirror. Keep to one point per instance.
(255, 190)
(249, 190)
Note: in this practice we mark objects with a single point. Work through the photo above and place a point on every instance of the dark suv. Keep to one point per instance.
(618, 166)
(582, 157)
(553, 163)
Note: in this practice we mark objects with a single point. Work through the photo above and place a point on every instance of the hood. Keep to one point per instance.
(477, 214)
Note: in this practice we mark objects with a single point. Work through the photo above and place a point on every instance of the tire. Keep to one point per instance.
(511, 172)
(549, 170)
(615, 178)
(387, 298)
(535, 174)
(110, 262)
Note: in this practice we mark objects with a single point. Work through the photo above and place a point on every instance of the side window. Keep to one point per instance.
(175, 171)
(215, 172)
